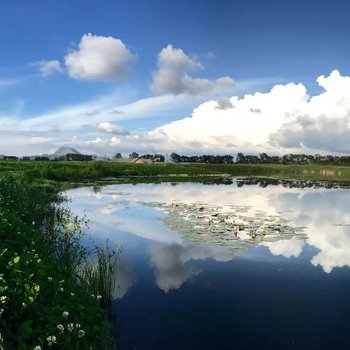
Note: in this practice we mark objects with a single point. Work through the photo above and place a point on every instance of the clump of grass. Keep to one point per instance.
(99, 273)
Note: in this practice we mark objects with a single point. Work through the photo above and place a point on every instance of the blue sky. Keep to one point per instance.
(148, 87)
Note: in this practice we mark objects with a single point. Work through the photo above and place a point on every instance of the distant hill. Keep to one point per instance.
(62, 151)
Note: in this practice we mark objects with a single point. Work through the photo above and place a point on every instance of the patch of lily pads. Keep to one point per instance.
(235, 227)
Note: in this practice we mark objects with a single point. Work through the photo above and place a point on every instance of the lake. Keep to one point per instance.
(240, 265)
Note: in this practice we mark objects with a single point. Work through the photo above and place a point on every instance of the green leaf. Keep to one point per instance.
(36, 288)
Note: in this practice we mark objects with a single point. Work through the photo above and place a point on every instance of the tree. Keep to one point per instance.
(175, 157)
(241, 158)
(118, 156)
(133, 155)
(159, 158)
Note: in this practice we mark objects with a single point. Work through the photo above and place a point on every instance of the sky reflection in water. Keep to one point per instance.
(156, 259)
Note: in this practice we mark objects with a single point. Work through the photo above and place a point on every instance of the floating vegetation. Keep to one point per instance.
(235, 227)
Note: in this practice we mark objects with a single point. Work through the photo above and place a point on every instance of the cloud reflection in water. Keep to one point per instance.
(170, 262)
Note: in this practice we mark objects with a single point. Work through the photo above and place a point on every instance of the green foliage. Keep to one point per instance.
(41, 302)
(82, 172)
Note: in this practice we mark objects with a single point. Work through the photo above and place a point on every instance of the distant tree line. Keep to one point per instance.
(77, 157)
(211, 159)
(262, 158)
(66, 157)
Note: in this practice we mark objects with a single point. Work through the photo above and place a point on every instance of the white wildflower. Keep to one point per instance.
(65, 314)
(38, 347)
(70, 327)
(77, 325)
(72, 294)
(60, 328)
(81, 333)
(61, 289)
(49, 279)
(51, 340)
(99, 297)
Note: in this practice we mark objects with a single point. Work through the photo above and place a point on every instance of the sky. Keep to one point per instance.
(192, 77)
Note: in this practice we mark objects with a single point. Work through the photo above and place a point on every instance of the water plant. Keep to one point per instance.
(99, 273)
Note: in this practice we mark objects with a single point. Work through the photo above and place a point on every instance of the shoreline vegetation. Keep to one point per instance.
(54, 294)
(53, 291)
(86, 172)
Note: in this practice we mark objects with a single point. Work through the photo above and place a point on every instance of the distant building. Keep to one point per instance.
(141, 161)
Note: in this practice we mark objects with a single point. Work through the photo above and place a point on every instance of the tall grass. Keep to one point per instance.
(99, 273)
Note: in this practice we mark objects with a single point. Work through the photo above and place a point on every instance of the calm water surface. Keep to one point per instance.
(181, 286)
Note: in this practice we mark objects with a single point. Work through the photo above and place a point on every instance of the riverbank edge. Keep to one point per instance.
(43, 304)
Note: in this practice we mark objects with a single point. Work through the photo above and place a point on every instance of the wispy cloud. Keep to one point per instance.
(9, 82)
(47, 68)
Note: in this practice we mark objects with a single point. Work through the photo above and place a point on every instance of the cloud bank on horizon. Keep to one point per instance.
(283, 120)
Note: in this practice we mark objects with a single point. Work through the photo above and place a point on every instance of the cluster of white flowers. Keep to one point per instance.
(60, 328)
(38, 347)
(51, 340)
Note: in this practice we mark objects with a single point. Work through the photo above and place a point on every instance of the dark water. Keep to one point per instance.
(180, 289)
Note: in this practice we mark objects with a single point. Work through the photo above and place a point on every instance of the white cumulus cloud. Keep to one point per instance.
(324, 122)
(234, 124)
(172, 76)
(99, 58)
(285, 119)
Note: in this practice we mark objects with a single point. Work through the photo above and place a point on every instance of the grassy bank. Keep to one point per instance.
(44, 302)
(85, 172)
